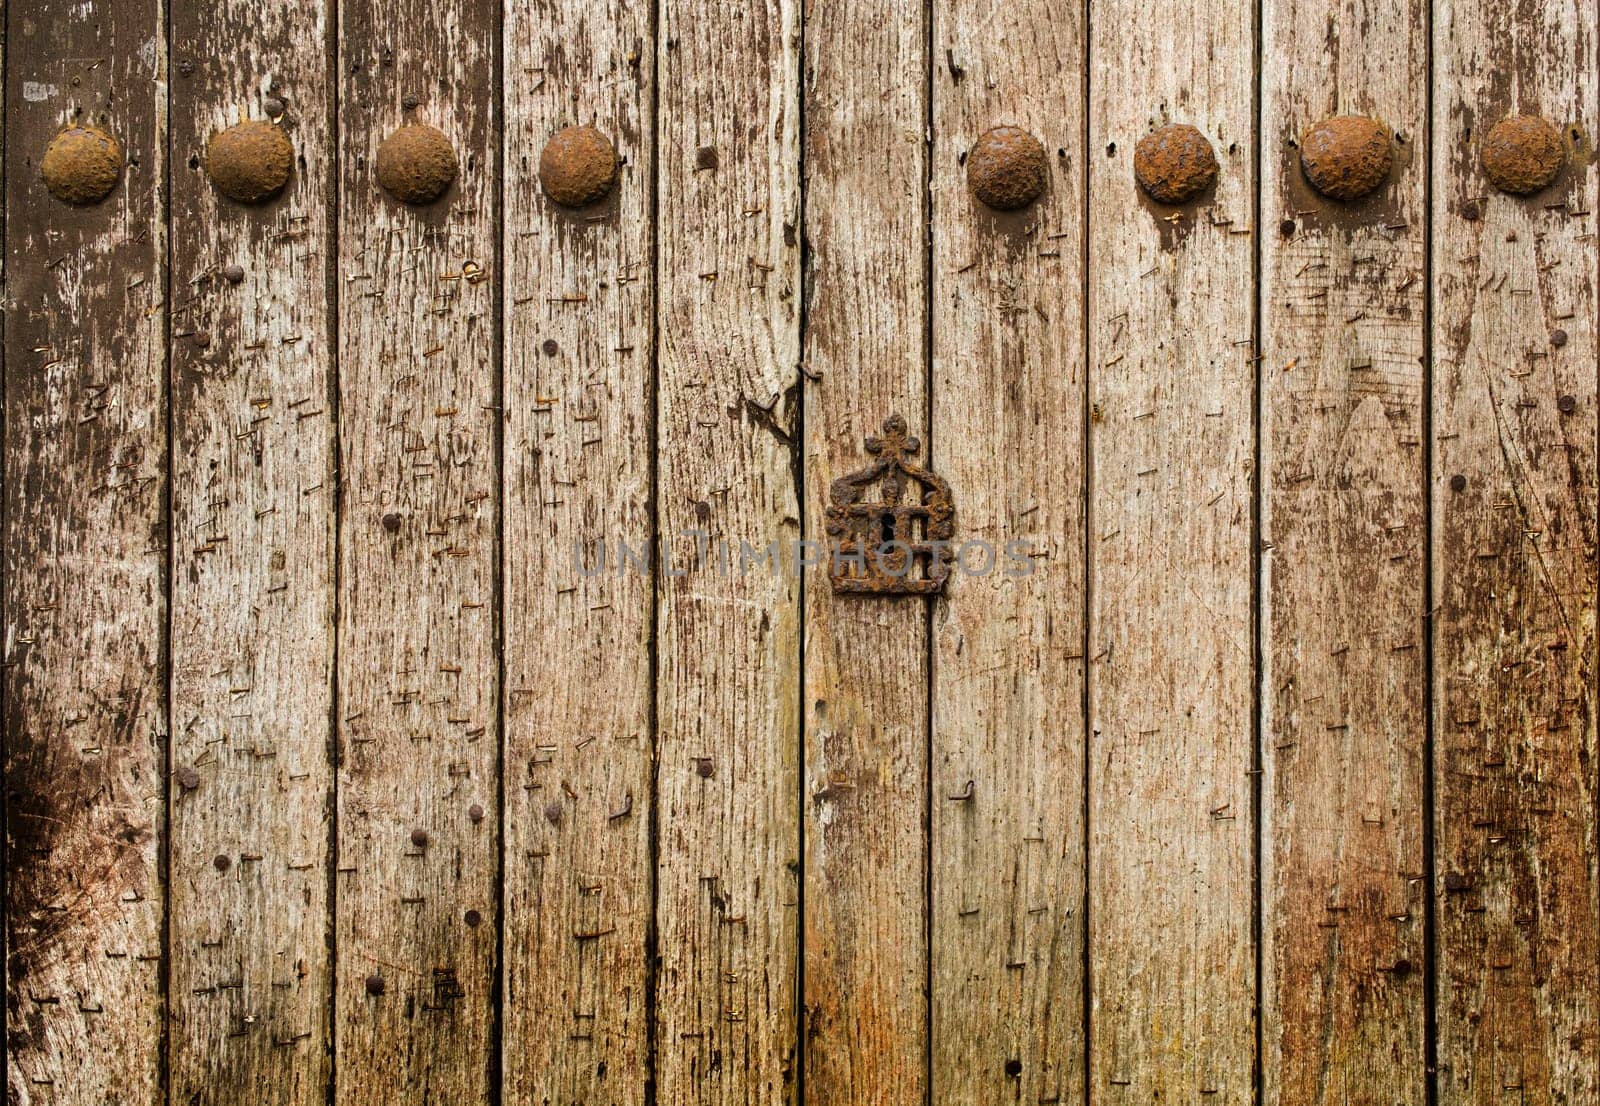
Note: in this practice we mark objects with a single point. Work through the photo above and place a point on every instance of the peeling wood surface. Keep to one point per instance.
(442, 817)
(418, 703)
(1343, 559)
(1008, 431)
(866, 681)
(85, 566)
(579, 409)
(254, 493)
(1517, 897)
(1171, 373)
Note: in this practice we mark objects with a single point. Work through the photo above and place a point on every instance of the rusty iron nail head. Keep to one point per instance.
(375, 985)
(475, 812)
(578, 166)
(1558, 338)
(1522, 154)
(416, 164)
(1347, 156)
(419, 838)
(249, 162)
(553, 813)
(81, 165)
(188, 778)
(1174, 164)
(1007, 168)
(1567, 404)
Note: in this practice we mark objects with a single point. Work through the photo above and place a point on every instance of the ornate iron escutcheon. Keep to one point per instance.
(898, 543)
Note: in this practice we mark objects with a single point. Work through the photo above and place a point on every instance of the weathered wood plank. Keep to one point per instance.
(1170, 633)
(1343, 567)
(728, 642)
(85, 537)
(866, 679)
(418, 697)
(1008, 434)
(1518, 903)
(579, 411)
(253, 503)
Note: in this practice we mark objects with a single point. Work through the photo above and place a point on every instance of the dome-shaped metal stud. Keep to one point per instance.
(81, 165)
(1347, 156)
(1007, 168)
(578, 166)
(1522, 154)
(416, 164)
(249, 162)
(1174, 164)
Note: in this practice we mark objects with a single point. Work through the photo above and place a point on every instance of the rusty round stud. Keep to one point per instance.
(1522, 154)
(1174, 164)
(233, 274)
(1558, 338)
(1458, 483)
(81, 165)
(1007, 168)
(419, 838)
(222, 862)
(249, 162)
(375, 985)
(472, 918)
(578, 166)
(1567, 404)
(475, 813)
(416, 164)
(1347, 156)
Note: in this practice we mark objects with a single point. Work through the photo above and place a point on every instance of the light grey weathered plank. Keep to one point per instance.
(1008, 433)
(579, 408)
(253, 501)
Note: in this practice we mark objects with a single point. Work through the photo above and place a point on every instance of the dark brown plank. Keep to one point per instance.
(579, 407)
(1344, 568)
(85, 549)
(866, 679)
(1008, 433)
(418, 710)
(253, 501)
(1517, 797)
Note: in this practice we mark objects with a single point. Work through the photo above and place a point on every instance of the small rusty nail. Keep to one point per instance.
(706, 767)
(202, 338)
(1347, 156)
(1401, 968)
(1286, 228)
(1007, 168)
(1522, 154)
(1014, 1067)
(1174, 164)
(475, 812)
(221, 862)
(1458, 483)
(188, 778)
(550, 348)
(81, 165)
(1567, 404)
(273, 106)
(416, 164)
(472, 918)
(419, 838)
(233, 274)
(391, 522)
(410, 102)
(1558, 338)
(1470, 212)
(249, 162)
(376, 985)
(552, 813)
(706, 158)
(578, 166)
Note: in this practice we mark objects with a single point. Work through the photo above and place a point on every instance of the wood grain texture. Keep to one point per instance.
(1514, 314)
(85, 551)
(579, 411)
(728, 642)
(418, 696)
(866, 680)
(1008, 434)
(1170, 634)
(253, 504)
(1344, 533)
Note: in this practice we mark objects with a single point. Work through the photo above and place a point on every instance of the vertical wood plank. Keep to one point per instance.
(866, 680)
(1343, 567)
(1515, 786)
(1008, 862)
(253, 503)
(728, 642)
(85, 550)
(1170, 636)
(579, 412)
(418, 696)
